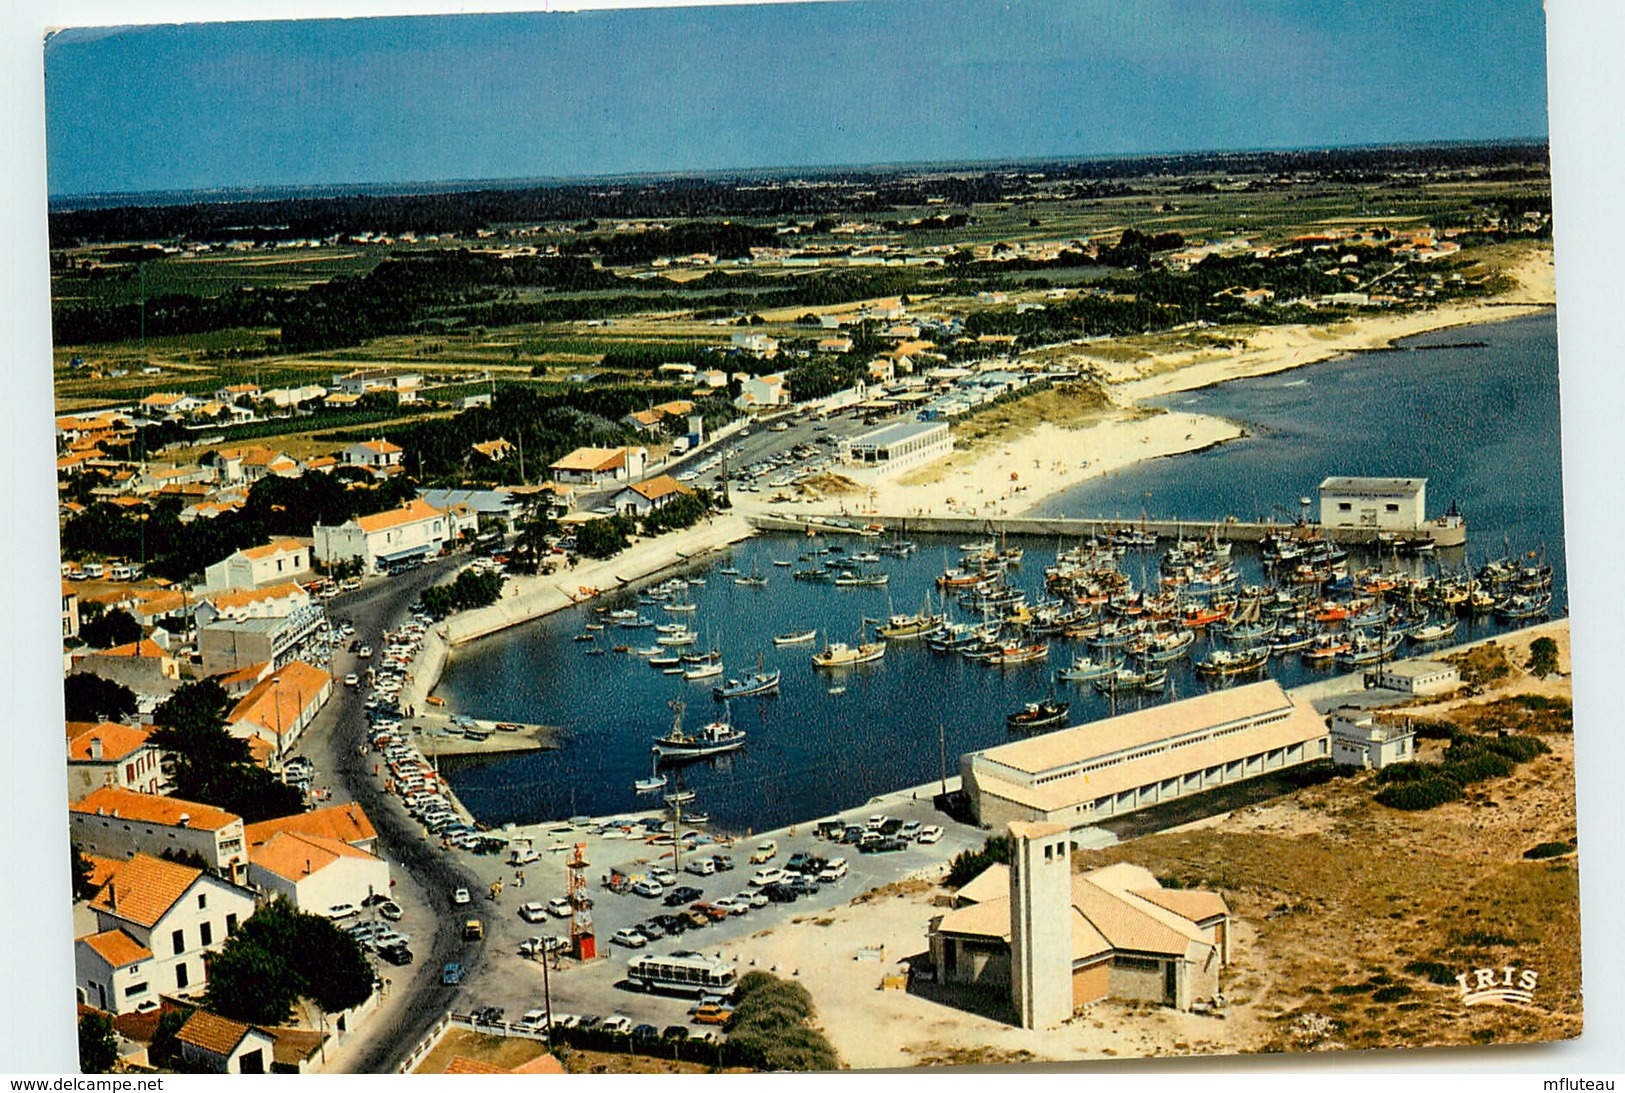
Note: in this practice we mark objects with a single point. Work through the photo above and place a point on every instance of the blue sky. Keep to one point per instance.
(439, 98)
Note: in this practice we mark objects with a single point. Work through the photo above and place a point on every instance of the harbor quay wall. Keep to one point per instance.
(1073, 527)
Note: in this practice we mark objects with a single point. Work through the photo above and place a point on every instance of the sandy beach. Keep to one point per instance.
(1013, 476)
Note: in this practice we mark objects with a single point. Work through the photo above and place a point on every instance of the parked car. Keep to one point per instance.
(713, 1014)
(342, 911)
(617, 1023)
(452, 974)
(460, 896)
(533, 911)
(391, 910)
(763, 877)
(630, 938)
(396, 954)
(647, 888)
(559, 908)
(930, 833)
(681, 895)
(765, 852)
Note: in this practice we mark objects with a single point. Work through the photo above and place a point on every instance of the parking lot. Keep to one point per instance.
(514, 982)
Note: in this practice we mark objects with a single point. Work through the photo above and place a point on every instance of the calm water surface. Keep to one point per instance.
(1481, 423)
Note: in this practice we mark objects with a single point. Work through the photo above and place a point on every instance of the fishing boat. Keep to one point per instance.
(1290, 639)
(1232, 662)
(680, 797)
(1520, 606)
(709, 670)
(841, 655)
(713, 739)
(848, 578)
(755, 580)
(1366, 649)
(636, 622)
(477, 735)
(663, 662)
(908, 626)
(1085, 669)
(783, 562)
(582, 637)
(728, 571)
(1017, 654)
(623, 613)
(656, 781)
(798, 637)
(1434, 631)
(680, 608)
(757, 683)
(1325, 647)
(678, 638)
(620, 649)
(817, 576)
(648, 651)
(1131, 679)
(1163, 646)
(1038, 715)
(594, 626)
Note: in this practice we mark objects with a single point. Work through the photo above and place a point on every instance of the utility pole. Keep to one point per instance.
(942, 749)
(547, 997)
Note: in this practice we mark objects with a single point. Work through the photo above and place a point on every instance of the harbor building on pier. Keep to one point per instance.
(1396, 503)
(1079, 776)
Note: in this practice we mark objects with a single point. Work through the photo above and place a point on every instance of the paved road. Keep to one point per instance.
(423, 875)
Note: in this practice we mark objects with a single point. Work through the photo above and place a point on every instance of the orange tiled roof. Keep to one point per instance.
(143, 648)
(462, 1064)
(592, 459)
(117, 740)
(291, 855)
(101, 869)
(117, 948)
(278, 700)
(656, 488)
(271, 549)
(242, 597)
(382, 447)
(153, 809)
(417, 510)
(143, 889)
(211, 1032)
(345, 823)
(251, 673)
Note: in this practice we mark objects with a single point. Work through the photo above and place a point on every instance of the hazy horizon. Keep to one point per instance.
(452, 99)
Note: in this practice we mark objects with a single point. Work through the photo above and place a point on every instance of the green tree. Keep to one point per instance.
(602, 538)
(280, 954)
(89, 697)
(771, 1025)
(165, 1050)
(250, 983)
(82, 869)
(211, 765)
(98, 1047)
(1542, 657)
(116, 627)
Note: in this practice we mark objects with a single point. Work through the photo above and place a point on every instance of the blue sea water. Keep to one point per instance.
(1480, 421)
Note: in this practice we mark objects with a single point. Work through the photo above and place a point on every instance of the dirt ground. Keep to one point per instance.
(1351, 922)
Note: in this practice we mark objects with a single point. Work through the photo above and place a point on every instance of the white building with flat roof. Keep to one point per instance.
(1347, 502)
(893, 449)
(1081, 775)
(1360, 740)
(1419, 677)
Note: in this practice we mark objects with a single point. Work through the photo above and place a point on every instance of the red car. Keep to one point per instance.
(709, 910)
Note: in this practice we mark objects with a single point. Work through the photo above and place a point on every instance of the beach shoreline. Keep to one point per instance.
(1017, 475)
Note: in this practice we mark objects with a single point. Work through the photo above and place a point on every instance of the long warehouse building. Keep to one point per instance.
(1081, 775)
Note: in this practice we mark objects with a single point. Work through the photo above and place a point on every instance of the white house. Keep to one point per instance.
(212, 1044)
(120, 823)
(255, 567)
(1359, 740)
(1347, 502)
(1419, 677)
(403, 385)
(275, 601)
(642, 498)
(316, 873)
(378, 456)
(172, 913)
(895, 448)
(109, 754)
(415, 530)
(280, 707)
(593, 466)
(759, 392)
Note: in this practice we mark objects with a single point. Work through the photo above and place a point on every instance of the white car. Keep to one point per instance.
(732, 904)
(342, 910)
(648, 889)
(930, 833)
(559, 908)
(752, 897)
(630, 938)
(352, 680)
(460, 896)
(532, 911)
(616, 1022)
(763, 877)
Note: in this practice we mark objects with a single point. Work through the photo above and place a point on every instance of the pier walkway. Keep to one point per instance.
(1443, 535)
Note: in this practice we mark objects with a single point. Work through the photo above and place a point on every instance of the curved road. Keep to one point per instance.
(423, 876)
